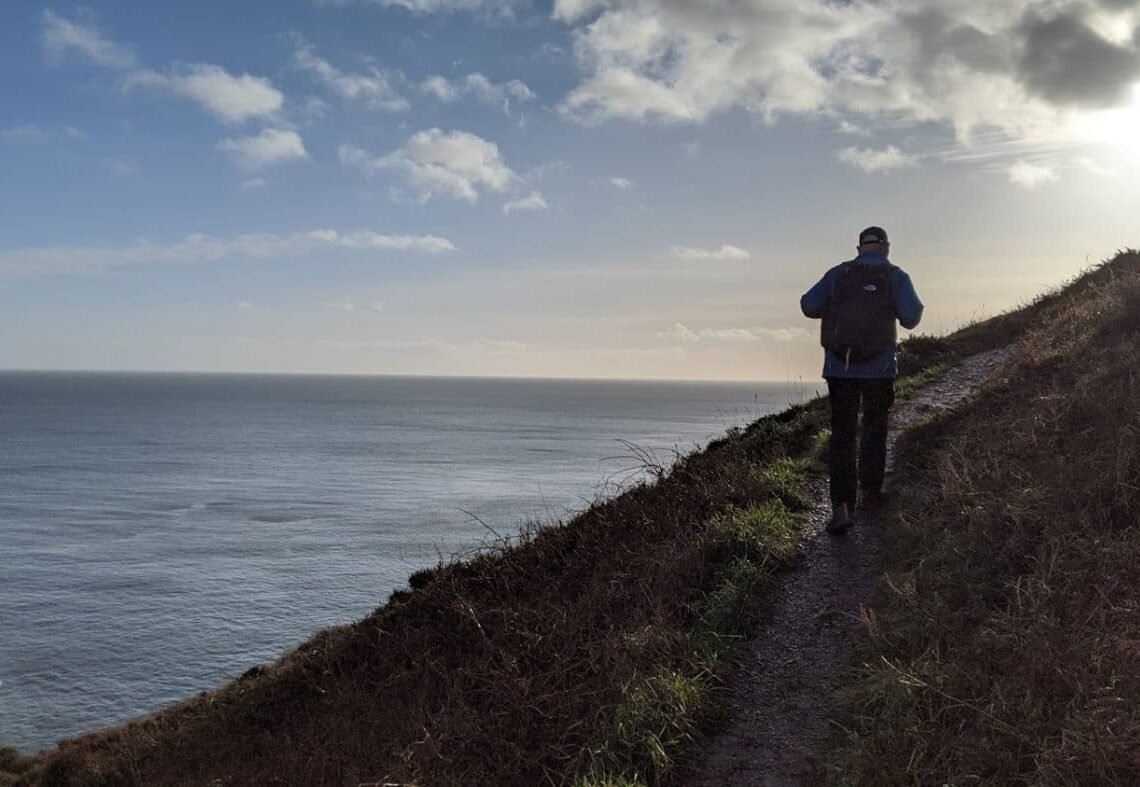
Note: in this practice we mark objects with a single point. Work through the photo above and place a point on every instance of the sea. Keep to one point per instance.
(160, 533)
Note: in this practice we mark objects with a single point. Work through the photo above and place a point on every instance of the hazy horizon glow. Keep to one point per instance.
(579, 188)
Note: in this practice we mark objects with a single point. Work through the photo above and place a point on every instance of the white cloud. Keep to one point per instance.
(120, 167)
(62, 37)
(271, 146)
(1030, 176)
(619, 92)
(31, 133)
(682, 333)
(245, 304)
(441, 88)
(852, 129)
(231, 99)
(1086, 163)
(456, 163)
(479, 87)
(625, 184)
(496, 7)
(786, 334)
(1023, 68)
(572, 10)
(725, 252)
(374, 89)
(203, 248)
(498, 346)
(342, 307)
(870, 160)
(254, 183)
(26, 133)
(531, 202)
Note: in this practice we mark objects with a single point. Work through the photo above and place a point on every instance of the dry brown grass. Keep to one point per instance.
(499, 670)
(1006, 638)
(1005, 642)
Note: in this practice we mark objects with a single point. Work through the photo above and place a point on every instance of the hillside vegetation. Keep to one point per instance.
(1005, 639)
(582, 650)
(592, 652)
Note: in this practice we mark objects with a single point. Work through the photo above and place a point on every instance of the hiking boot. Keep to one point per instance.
(840, 520)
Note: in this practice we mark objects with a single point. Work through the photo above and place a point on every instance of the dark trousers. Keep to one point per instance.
(876, 396)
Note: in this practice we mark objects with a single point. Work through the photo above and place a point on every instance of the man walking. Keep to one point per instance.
(860, 302)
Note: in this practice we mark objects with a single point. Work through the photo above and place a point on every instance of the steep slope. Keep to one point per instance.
(1006, 634)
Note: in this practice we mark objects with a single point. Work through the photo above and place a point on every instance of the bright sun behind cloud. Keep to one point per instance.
(1118, 127)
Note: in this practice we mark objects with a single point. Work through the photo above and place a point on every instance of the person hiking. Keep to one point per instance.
(859, 302)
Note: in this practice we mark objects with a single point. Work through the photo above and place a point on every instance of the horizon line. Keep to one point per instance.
(523, 378)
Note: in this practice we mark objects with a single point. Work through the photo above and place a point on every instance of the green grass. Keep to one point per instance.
(785, 479)
(647, 730)
(643, 738)
(907, 387)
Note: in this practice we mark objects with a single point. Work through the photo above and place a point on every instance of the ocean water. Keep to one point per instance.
(162, 533)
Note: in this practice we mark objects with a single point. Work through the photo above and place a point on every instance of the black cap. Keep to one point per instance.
(873, 235)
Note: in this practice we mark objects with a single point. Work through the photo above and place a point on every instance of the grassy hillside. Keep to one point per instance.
(589, 653)
(584, 650)
(1006, 636)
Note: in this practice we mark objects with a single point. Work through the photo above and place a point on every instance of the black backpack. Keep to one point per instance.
(859, 323)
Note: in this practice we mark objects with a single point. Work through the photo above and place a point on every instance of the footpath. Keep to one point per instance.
(783, 697)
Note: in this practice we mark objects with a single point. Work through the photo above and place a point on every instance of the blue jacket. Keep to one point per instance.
(908, 309)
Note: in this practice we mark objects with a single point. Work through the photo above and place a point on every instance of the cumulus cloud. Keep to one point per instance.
(229, 98)
(1030, 176)
(682, 333)
(1067, 62)
(573, 10)
(1021, 67)
(870, 160)
(373, 88)
(624, 184)
(204, 248)
(725, 252)
(456, 163)
(64, 37)
(479, 87)
(271, 146)
(531, 202)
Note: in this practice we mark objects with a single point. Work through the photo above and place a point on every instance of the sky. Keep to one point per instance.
(578, 188)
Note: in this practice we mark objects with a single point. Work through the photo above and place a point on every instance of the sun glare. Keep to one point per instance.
(1118, 127)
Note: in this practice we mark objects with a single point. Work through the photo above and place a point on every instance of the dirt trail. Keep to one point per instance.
(783, 696)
